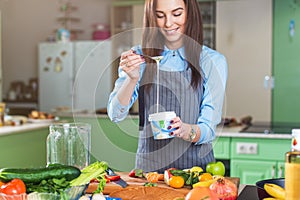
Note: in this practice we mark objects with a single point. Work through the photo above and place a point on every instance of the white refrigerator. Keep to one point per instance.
(75, 75)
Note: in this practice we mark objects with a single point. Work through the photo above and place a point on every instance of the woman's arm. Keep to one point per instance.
(126, 86)
(215, 77)
(214, 83)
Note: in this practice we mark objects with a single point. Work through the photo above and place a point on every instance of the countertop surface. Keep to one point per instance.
(5, 130)
(233, 131)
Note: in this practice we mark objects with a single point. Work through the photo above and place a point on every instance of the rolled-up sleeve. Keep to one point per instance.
(215, 73)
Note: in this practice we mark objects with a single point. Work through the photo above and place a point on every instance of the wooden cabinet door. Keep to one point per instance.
(245, 38)
(251, 171)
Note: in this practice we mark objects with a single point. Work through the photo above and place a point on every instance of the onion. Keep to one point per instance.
(98, 196)
(225, 189)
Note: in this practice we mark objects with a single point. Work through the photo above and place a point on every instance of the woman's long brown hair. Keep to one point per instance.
(153, 40)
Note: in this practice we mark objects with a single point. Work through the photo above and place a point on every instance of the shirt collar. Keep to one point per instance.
(178, 52)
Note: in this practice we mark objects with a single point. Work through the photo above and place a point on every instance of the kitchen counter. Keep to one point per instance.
(6, 130)
(221, 132)
(235, 132)
(121, 140)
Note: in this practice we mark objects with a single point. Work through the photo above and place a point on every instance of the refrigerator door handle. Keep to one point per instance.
(71, 87)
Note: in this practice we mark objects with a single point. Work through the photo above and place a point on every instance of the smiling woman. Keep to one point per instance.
(171, 19)
(190, 78)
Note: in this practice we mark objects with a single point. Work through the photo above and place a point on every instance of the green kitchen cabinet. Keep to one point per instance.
(24, 149)
(255, 159)
(286, 70)
(221, 147)
(250, 171)
(115, 143)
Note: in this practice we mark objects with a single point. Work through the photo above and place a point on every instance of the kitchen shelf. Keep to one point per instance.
(65, 19)
(209, 26)
(208, 11)
(125, 16)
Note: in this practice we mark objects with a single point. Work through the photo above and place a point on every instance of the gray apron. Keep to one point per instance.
(175, 94)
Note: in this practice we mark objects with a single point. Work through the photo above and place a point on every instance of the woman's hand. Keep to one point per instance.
(183, 130)
(130, 64)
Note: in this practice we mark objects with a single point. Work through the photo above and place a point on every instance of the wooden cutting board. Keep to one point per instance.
(135, 182)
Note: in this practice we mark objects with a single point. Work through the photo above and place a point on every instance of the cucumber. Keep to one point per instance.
(36, 175)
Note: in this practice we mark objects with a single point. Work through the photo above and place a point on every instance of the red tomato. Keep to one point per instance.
(15, 186)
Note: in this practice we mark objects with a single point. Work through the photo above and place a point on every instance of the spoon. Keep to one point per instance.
(156, 58)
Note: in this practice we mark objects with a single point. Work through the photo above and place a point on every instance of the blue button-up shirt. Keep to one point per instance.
(214, 70)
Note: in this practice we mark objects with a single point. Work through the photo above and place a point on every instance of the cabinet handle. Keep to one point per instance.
(268, 82)
(280, 171)
(273, 171)
(272, 82)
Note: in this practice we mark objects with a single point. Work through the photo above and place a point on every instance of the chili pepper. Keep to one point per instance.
(112, 178)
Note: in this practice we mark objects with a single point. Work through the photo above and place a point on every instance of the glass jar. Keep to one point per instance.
(69, 144)
(292, 168)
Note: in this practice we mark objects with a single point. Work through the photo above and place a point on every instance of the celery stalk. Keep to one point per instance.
(94, 170)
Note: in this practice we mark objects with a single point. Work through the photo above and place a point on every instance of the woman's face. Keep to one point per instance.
(171, 18)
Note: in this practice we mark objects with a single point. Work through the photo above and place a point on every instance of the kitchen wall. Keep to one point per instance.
(0, 58)
(26, 23)
(238, 35)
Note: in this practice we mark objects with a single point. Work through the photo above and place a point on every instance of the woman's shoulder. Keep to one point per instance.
(210, 56)
(208, 52)
(211, 59)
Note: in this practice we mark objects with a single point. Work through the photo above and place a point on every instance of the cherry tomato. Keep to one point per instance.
(15, 186)
(136, 173)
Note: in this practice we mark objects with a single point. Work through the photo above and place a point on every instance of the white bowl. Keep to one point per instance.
(74, 193)
(43, 196)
